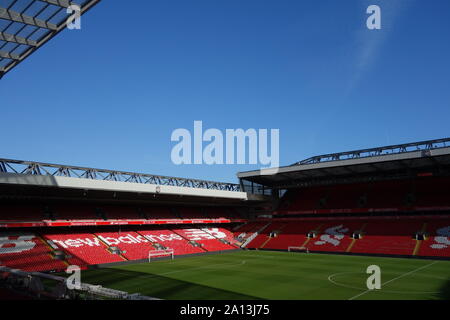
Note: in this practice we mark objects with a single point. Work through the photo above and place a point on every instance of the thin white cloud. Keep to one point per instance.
(369, 43)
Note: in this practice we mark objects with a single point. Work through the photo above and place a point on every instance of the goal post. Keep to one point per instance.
(298, 249)
(160, 253)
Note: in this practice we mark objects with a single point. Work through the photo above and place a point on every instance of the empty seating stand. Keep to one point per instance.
(84, 248)
(396, 195)
(379, 237)
(208, 238)
(171, 240)
(75, 212)
(334, 236)
(120, 212)
(394, 237)
(21, 213)
(437, 243)
(293, 234)
(134, 246)
(27, 251)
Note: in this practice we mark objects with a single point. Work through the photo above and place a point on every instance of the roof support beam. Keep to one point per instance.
(8, 55)
(17, 17)
(60, 3)
(12, 38)
(53, 29)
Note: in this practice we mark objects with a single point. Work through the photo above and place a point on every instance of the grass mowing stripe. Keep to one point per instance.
(190, 269)
(396, 278)
(271, 275)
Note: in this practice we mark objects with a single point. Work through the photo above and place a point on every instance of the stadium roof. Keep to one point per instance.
(26, 25)
(37, 180)
(55, 170)
(404, 160)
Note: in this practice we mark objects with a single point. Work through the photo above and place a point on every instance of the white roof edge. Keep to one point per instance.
(91, 184)
(337, 163)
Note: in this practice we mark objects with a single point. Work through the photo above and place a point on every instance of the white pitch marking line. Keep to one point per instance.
(400, 276)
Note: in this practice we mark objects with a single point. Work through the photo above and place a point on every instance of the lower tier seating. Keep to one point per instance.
(393, 237)
(209, 239)
(171, 240)
(55, 251)
(83, 248)
(437, 243)
(133, 246)
(389, 236)
(292, 235)
(27, 251)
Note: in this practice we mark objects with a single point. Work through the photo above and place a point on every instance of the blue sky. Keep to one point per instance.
(110, 95)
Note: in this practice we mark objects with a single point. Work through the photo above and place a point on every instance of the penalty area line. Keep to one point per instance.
(396, 278)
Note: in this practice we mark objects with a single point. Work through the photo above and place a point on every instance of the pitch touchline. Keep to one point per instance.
(400, 276)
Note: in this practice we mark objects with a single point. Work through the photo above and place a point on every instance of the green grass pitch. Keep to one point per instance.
(277, 275)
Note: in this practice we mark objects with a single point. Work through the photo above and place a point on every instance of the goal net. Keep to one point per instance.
(160, 253)
(298, 249)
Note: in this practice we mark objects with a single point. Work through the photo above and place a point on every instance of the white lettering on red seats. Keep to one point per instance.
(163, 237)
(442, 238)
(128, 239)
(22, 243)
(332, 235)
(197, 234)
(76, 243)
(216, 233)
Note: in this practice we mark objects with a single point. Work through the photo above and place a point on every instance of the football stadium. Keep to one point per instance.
(307, 232)
(321, 228)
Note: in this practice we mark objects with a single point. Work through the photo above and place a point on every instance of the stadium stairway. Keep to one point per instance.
(180, 232)
(437, 244)
(204, 239)
(393, 238)
(419, 242)
(171, 240)
(229, 236)
(274, 227)
(132, 245)
(254, 239)
(53, 251)
(349, 248)
(27, 251)
(83, 248)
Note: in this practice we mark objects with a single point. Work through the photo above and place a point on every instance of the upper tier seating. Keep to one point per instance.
(58, 211)
(389, 196)
(188, 213)
(21, 213)
(158, 213)
(120, 212)
(74, 212)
